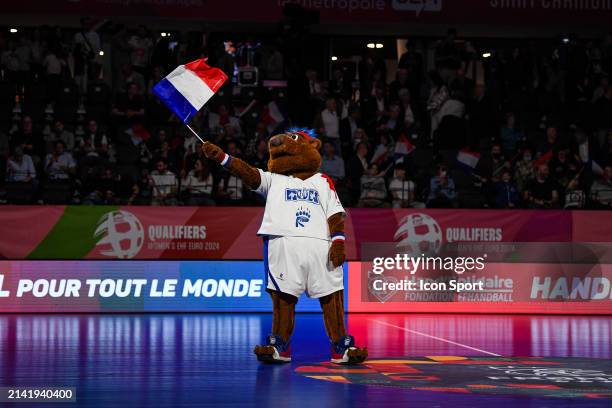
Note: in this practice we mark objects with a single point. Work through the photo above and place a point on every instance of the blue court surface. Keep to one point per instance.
(181, 360)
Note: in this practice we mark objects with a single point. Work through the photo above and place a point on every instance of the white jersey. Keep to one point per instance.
(296, 207)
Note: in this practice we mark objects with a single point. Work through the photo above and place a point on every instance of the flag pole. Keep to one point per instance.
(195, 133)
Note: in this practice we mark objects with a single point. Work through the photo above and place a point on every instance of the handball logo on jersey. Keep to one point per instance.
(418, 234)
(120, 234)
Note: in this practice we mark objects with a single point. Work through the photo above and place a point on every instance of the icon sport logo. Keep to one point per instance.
(418, 6)
(120, 234)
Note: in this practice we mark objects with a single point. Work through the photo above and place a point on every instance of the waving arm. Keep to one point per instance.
(247, 173)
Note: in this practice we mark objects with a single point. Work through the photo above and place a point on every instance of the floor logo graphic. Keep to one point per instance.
(418, 234)
(120, 234)
(530, 376)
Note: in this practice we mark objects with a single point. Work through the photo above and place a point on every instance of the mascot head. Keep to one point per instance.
(295, 153)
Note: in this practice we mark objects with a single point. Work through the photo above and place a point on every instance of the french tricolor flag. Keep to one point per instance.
(468, 159)
(186, 89)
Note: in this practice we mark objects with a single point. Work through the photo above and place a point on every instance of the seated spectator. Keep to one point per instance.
(541, 192)
(408, 112)
(506, 193)
(217, 120)
(360, 136)
(60, 165)
(143, 191)
(575, 197)
(94, 142)
(402, 190)
(328, 123)
(601, 190)
(392, 124)
(442, 192)
(562, 167)
(510, 137)
(373, 188)
(129, 107)
(29, 140)
(524, 170)
(260, 157)
(348, 128)
(127, 77)
(105, 190)
(490, 167)
(60, 133)
(198, 185)
(331, 163)
(356, 168)
(384, 151)
(20, 167)
(550, 143)
(230, 190)
(164, 184)
(167, 155)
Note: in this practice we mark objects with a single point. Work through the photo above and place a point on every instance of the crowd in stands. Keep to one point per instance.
(527, 125)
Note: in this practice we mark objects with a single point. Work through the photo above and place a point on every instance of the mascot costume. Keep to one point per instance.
(303, 232)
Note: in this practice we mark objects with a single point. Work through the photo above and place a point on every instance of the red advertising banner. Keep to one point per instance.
(101, 232)
(547, 288)
(358, 11)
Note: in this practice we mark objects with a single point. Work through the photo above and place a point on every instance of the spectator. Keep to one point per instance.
(601, 191)
(407, 111)
(20, 167)
(94, 143)
(525, 170)
(510, 136)
(356, 168)
(129, 76)
(198, 185)
(222, 117)
(542, 192)
(402, 190)
(506, 192)
(348, 127)
(442, 192)
(328, 123)
(332, 164)
(59, 165)
(141, 46)
(53, 65)
(60, 133)
(550, 143)
(373, 188)
(438, 95)
(163, 183)
(29, 140)
(129, 107)
(575, 196)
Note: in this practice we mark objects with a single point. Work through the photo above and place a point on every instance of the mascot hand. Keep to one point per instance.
(336, 253)
(213, 152)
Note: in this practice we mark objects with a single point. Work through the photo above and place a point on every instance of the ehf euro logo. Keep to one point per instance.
(120, 234)
(418, 234)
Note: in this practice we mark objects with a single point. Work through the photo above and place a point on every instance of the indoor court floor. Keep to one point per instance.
(175, 360)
